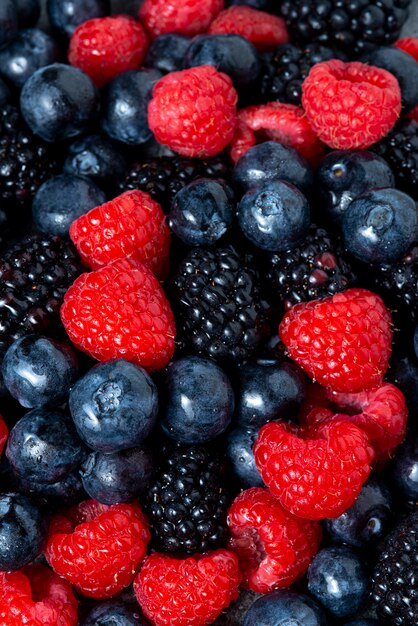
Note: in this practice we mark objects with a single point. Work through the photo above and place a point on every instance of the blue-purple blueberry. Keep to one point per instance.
(96, 157)
(114, 613)
(66, 15)
(166, 53)
(240, 455)
(284, 608)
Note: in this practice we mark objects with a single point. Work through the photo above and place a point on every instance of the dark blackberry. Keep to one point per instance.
(316, 268)
(353, 27)
(187, 501)
(219, 305)
(398, 283)
(34, 276)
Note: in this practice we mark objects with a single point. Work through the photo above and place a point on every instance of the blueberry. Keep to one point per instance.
(404, 374)
(380, 225)
(202, 212)
(368, 520)
(199, 400)
(404, 470)
(114, 406)
(97, 157)
(364, 622)
(61, 200)
(166, 53)
(284, 608)
(117, 477)
(241, 457)
(345, 174)
(66, 15)
(268, 390)
(65, 492)
(23, 531)
(28, 12)
(337, 578)
(230, 54)
(43, 446)
(270, 161)
(114, 613)
(5, 94)
(261, 5)
(59, 102)
(125, 107)
(31, 50)
(8, 21)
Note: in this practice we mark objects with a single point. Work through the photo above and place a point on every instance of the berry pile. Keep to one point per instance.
(208, 313)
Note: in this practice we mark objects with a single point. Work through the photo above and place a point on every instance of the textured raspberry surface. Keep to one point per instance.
(343, 342)
(274, 547)
(314, 478)
(194, 111)
(98, 548)
(35, 596)
(4, 431)
(265, 31)
(187, 592)
(132, 225)
(350, 105)
(107, 46)
(188, 17)
(120, 311)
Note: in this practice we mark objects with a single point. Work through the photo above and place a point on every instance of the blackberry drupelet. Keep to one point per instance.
(316, 268)
(219, 305)
(353, 27)
(398, 283)
(187, 501)
(34, 276)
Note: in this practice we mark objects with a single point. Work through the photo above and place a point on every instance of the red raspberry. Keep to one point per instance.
(194, 111)
(107, 46)
(315, 478)
(35, 596)
(273, 546)
(132, 225)
(409, 45)
(343, 342)
(350, 105)
(4, 432)
(188, 17)
(98, 548)
(265, 31)
(120, 311)
(187, 592)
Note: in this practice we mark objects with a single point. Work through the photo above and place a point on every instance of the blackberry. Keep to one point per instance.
(34, 276)
(187, 501)
(219, 305)
(399, 283)
(316, 268)
(353, 27)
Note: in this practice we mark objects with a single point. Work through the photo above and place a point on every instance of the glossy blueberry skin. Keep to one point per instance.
(28, 12)
(380, 225)
(31, 50)
(274, 216)
(66, 15)
(364, 622)
(404, 469)
(199, 400)
(240, 454)
(230, 54)
(283, 608)
(8, 21)
(23, 531)
(270, 161)
(59, 102)
(97, 157)
(125, 106)
(114, 613)
(65, 492)
(368, 520)
(345, 174)
(337, 578)
(114, 406)
(166, 53)
(61, 200)
(261, 5)
(43, 446)
(5, 94)
(117, 477)
(202, 212)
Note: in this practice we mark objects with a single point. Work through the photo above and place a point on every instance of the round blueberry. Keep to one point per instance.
(166, 53)
(114, 406)
(66, 15)
(261, 5)
(202, 212)
(380, 225)
(404, 470)
(404, 373)
(337, 578)
(65, 492)
(199, 400)
(241, 457)
(364, 622)
(28, 12)
(97, 157)
(61, 200)
(5, 94)
(8, 21)
(59, 102)
(23, 531)
(284, 608)
(114, 613)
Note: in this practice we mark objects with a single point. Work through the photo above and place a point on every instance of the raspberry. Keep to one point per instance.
(273, 546)
(343, 342)
(187, 17)
(132, 225)
(187, 592)
(4, 431)
(107, 46)
(35, 596)
(194, 111)
(120, 311)
(265, 31)
(314, 478)
(98, 548)
(350, 105)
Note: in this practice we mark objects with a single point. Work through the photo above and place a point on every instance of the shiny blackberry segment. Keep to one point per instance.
(398, 283)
